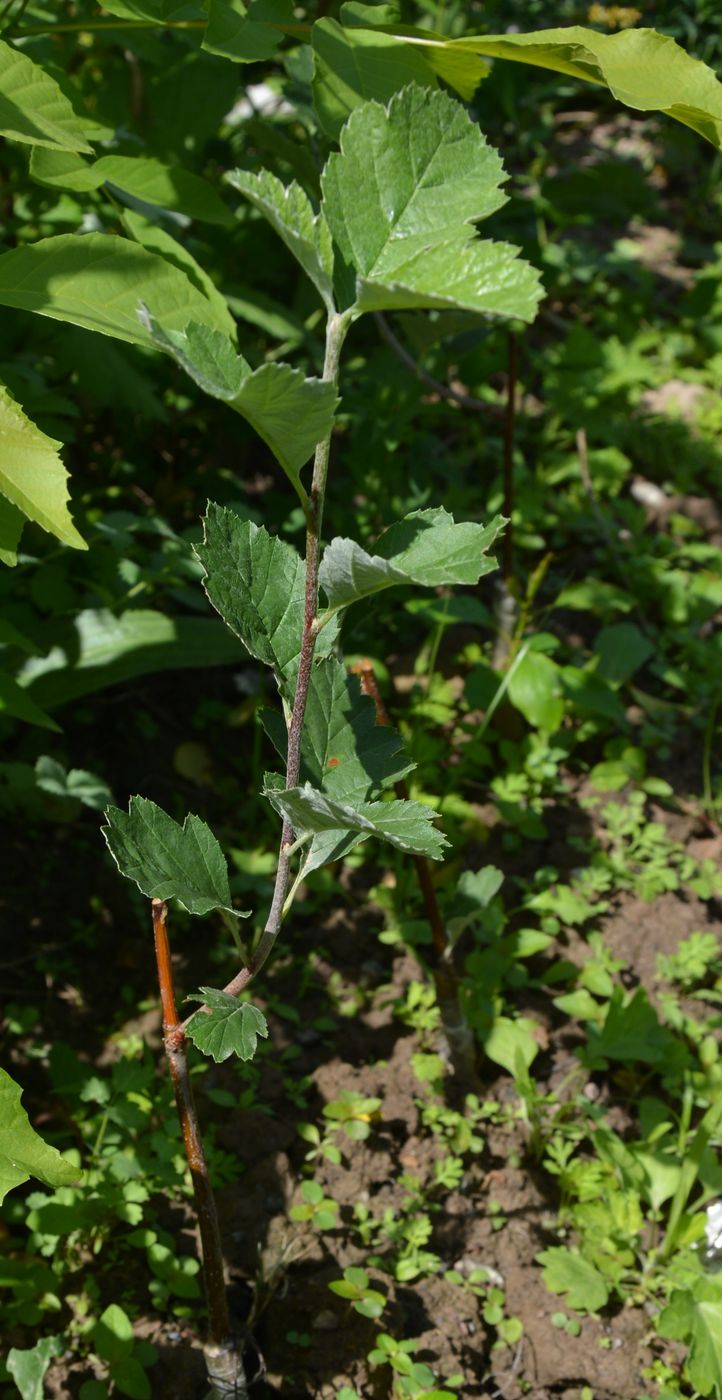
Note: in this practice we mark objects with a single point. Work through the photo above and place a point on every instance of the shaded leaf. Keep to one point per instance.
(33, 109)
(169, 861)
(22, 1151)
(98, 281)
(427, 547)
(289, 211)
(257, 583)
(99, 648)
(566, 1271)
(356, 65)
(621, 649)
(401, 199)
(230, 1027)
(32, 475)
(15, 701)
(246, 33)
(406, 825)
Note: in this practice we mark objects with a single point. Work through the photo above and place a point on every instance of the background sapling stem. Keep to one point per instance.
(222, 1355)
(459, 1035)
(506, 604)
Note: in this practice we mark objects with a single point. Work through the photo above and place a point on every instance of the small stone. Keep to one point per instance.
(591, 1091)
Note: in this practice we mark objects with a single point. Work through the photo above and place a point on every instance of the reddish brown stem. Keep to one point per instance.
(458, 1034)
(223, 1357)
(509, 426)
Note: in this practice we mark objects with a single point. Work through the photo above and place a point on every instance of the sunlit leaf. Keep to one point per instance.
(98, 281)
(406, 825)
(695, 1316)
(567, 1271)
(28, 1367)
(257, 583)
(402, 198)
(22, 1151)
(230, 1027)
(32, 475)
(289, 211)
(427, 547)
(143, 177)
(32, 107)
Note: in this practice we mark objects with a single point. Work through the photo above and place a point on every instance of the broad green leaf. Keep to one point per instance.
(622, 649)
(632, 1032)
(12, 522)
(535, 689)
(129, 1378)
(642, 69)
(32, 475)
(343, 749)
(113, 1335)
(406, 825)
(32, 107)
(427, 547)
(352, 66)
(474, 892)
(508, 1039)
(28, 1367)
(160, 11)
(15, 702)
(353, 63)
(230, 1027)
(22, 1151)
(153, 181)
(290, 213)
(292, 414)
(566, 1271)
(98, 281)
(402, 197)
(156, 240)
(694, 1316)
(169, 861)
(257, 583)
(98, 648)
(247, 33)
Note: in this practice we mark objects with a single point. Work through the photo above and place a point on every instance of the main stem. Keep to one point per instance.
(336, 329)
(224, 1362)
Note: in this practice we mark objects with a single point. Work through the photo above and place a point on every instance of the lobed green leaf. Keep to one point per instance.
(228, 1027)
(401, 198)
(427, 547)
(169, 861)
(257, 583)
(406, 825)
